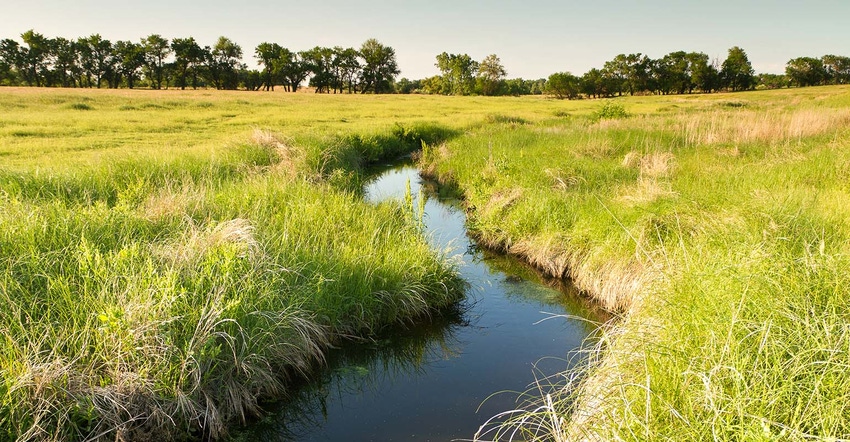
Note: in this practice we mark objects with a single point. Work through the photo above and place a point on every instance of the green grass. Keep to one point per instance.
(171, 257)
(163, 292)
(719, 232)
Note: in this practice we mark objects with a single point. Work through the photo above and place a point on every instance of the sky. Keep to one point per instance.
(532, 38)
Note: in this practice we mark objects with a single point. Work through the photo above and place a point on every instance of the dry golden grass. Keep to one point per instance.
(646, 190)
(748, 126)
(169, 202)
(502, 199)
(657, 164)
(562, 181)
(290, 158)
(197, 242)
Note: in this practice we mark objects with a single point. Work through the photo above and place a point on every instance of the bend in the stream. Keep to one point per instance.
(430, 382)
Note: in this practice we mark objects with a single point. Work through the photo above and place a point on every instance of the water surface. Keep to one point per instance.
(443, 380)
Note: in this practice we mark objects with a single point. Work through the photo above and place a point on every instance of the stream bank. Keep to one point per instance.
(442, 380)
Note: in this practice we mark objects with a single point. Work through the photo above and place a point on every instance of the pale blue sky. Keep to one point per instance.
(533, 38)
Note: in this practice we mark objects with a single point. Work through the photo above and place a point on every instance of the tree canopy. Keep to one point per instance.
(491, 75)
(563, 85)
(157, 62)
(737, 72)
(379, 67)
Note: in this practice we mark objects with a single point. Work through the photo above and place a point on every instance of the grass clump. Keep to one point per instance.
(80, 106)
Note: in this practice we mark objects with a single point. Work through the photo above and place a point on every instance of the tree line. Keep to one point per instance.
(686, 72)
(678, 72)
(158, 63)
(812, 71)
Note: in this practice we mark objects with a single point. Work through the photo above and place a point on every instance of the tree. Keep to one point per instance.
(96, 58)
(432, 85)
(837, 68)
(458, 73)
(771, 81)
(188, 57)
(267, 55)
(35, 66)
(806, 71)
(156, 50)
(491, 75)
(591, 83)
(379, 67)
(65, 54)
(627, 72)
(616, 73)
(535, 87)
(6, 72)
(11, 60)
(704, 75)
(223, 63)
(517, 86)
(319, 61)
(130, 59)
(347, 66)
(252, 79)
(563, 85)
(737, 72)
(405, 86)
(677, 76)
(291, 69)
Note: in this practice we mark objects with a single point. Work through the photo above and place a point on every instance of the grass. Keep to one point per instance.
(720, 233)
(171, 257)
(159, 292)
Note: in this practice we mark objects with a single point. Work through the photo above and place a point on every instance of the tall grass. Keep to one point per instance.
(718, 232)
(171, 258)
(164, 296)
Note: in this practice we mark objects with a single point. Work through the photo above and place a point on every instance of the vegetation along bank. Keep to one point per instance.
(716, 225)
(165, 266)
(169, 257)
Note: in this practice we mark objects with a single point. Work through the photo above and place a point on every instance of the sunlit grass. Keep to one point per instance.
(169, 257)
(163, 282)
(716, 225)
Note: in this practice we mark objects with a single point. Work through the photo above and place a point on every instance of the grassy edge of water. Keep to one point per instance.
(233, 245)
(548, 409)
(683, 361)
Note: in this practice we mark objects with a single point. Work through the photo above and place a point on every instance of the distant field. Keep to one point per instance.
(57, 128)
(168, 257)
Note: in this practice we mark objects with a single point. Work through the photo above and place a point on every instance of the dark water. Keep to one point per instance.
(441, 381)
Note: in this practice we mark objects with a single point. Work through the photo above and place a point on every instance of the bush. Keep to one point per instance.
(611, 111)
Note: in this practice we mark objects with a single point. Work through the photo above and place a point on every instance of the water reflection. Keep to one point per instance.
(360, 370)
(431, 382)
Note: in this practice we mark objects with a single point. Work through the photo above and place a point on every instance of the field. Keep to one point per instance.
(719, 228)
(170, 257)
(165, 264)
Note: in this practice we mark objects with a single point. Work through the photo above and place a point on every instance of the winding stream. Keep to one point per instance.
(440, 381)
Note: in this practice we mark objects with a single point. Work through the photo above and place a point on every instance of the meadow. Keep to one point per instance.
(168, 261)
(717, 226)
(170, 258)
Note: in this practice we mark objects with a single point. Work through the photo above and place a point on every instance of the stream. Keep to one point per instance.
(443, 380)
